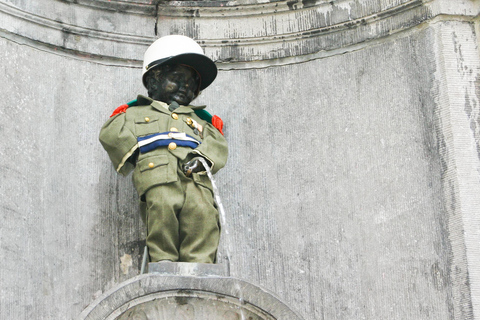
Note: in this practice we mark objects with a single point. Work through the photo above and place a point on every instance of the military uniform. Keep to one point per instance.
(180, 214)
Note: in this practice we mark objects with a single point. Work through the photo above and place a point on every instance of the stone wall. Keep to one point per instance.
(352, 185)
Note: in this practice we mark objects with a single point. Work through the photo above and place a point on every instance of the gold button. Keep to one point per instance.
(147, 119)
(189, 121)
(170, 135)
(151, 165)
(173, 129)
(175, 116)
(172, 146)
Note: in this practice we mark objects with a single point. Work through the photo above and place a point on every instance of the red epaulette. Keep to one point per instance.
(121, 109)
(217, 122)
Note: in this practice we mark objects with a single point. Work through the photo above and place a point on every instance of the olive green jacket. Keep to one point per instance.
(119, 138)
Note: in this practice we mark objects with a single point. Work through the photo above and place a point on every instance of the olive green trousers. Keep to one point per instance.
(182, 220)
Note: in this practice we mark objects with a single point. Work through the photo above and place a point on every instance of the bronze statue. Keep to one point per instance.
(162, 139)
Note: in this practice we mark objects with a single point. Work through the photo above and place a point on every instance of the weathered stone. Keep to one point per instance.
(187, 269)
(155, 296)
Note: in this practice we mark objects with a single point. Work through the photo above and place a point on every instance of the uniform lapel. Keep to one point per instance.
(160, 106)
(183, 109)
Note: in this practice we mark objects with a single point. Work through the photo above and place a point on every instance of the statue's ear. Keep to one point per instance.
(151, 84)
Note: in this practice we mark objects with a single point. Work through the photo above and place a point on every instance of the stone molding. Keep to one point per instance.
(151, 296)
(234, 35)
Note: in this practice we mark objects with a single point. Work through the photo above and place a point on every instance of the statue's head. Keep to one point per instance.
(173, 82)
(174, 63)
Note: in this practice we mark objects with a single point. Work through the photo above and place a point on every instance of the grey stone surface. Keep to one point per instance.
(234, 32)
(352, 185)
(187, 269)
(155, 296)
(458, 109)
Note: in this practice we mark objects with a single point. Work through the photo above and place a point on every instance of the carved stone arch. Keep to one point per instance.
(155, 296)
(236, 34)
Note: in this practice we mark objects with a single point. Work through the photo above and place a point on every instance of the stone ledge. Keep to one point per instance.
(187, 269)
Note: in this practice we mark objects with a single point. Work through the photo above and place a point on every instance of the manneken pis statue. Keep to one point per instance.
(160, 138)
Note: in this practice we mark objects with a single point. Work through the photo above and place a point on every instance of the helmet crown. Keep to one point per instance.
(179, 49)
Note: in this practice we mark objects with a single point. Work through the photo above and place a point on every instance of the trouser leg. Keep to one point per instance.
(163, 202)
(199, 225)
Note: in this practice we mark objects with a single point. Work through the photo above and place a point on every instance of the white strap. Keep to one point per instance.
(171, 135)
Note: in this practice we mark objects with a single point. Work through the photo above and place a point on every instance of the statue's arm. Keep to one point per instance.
(119, 142)
(214, 148)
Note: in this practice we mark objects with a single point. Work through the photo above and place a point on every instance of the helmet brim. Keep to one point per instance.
(205, 67)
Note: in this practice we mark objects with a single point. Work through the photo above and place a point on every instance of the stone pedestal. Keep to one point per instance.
(186, 291)
(188, 269)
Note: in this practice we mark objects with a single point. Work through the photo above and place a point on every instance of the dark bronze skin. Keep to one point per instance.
(168, 83)
(179, 83)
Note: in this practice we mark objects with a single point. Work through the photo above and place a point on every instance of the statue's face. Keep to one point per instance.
(173, 83)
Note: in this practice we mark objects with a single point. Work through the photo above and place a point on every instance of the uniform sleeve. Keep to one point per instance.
(119, 142)
(214, 148)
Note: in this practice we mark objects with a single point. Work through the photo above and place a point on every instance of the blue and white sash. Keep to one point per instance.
(153, 141)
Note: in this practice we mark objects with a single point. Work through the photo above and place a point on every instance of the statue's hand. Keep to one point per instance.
(192, 166)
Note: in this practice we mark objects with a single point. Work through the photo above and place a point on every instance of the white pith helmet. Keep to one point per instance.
(180, 50)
